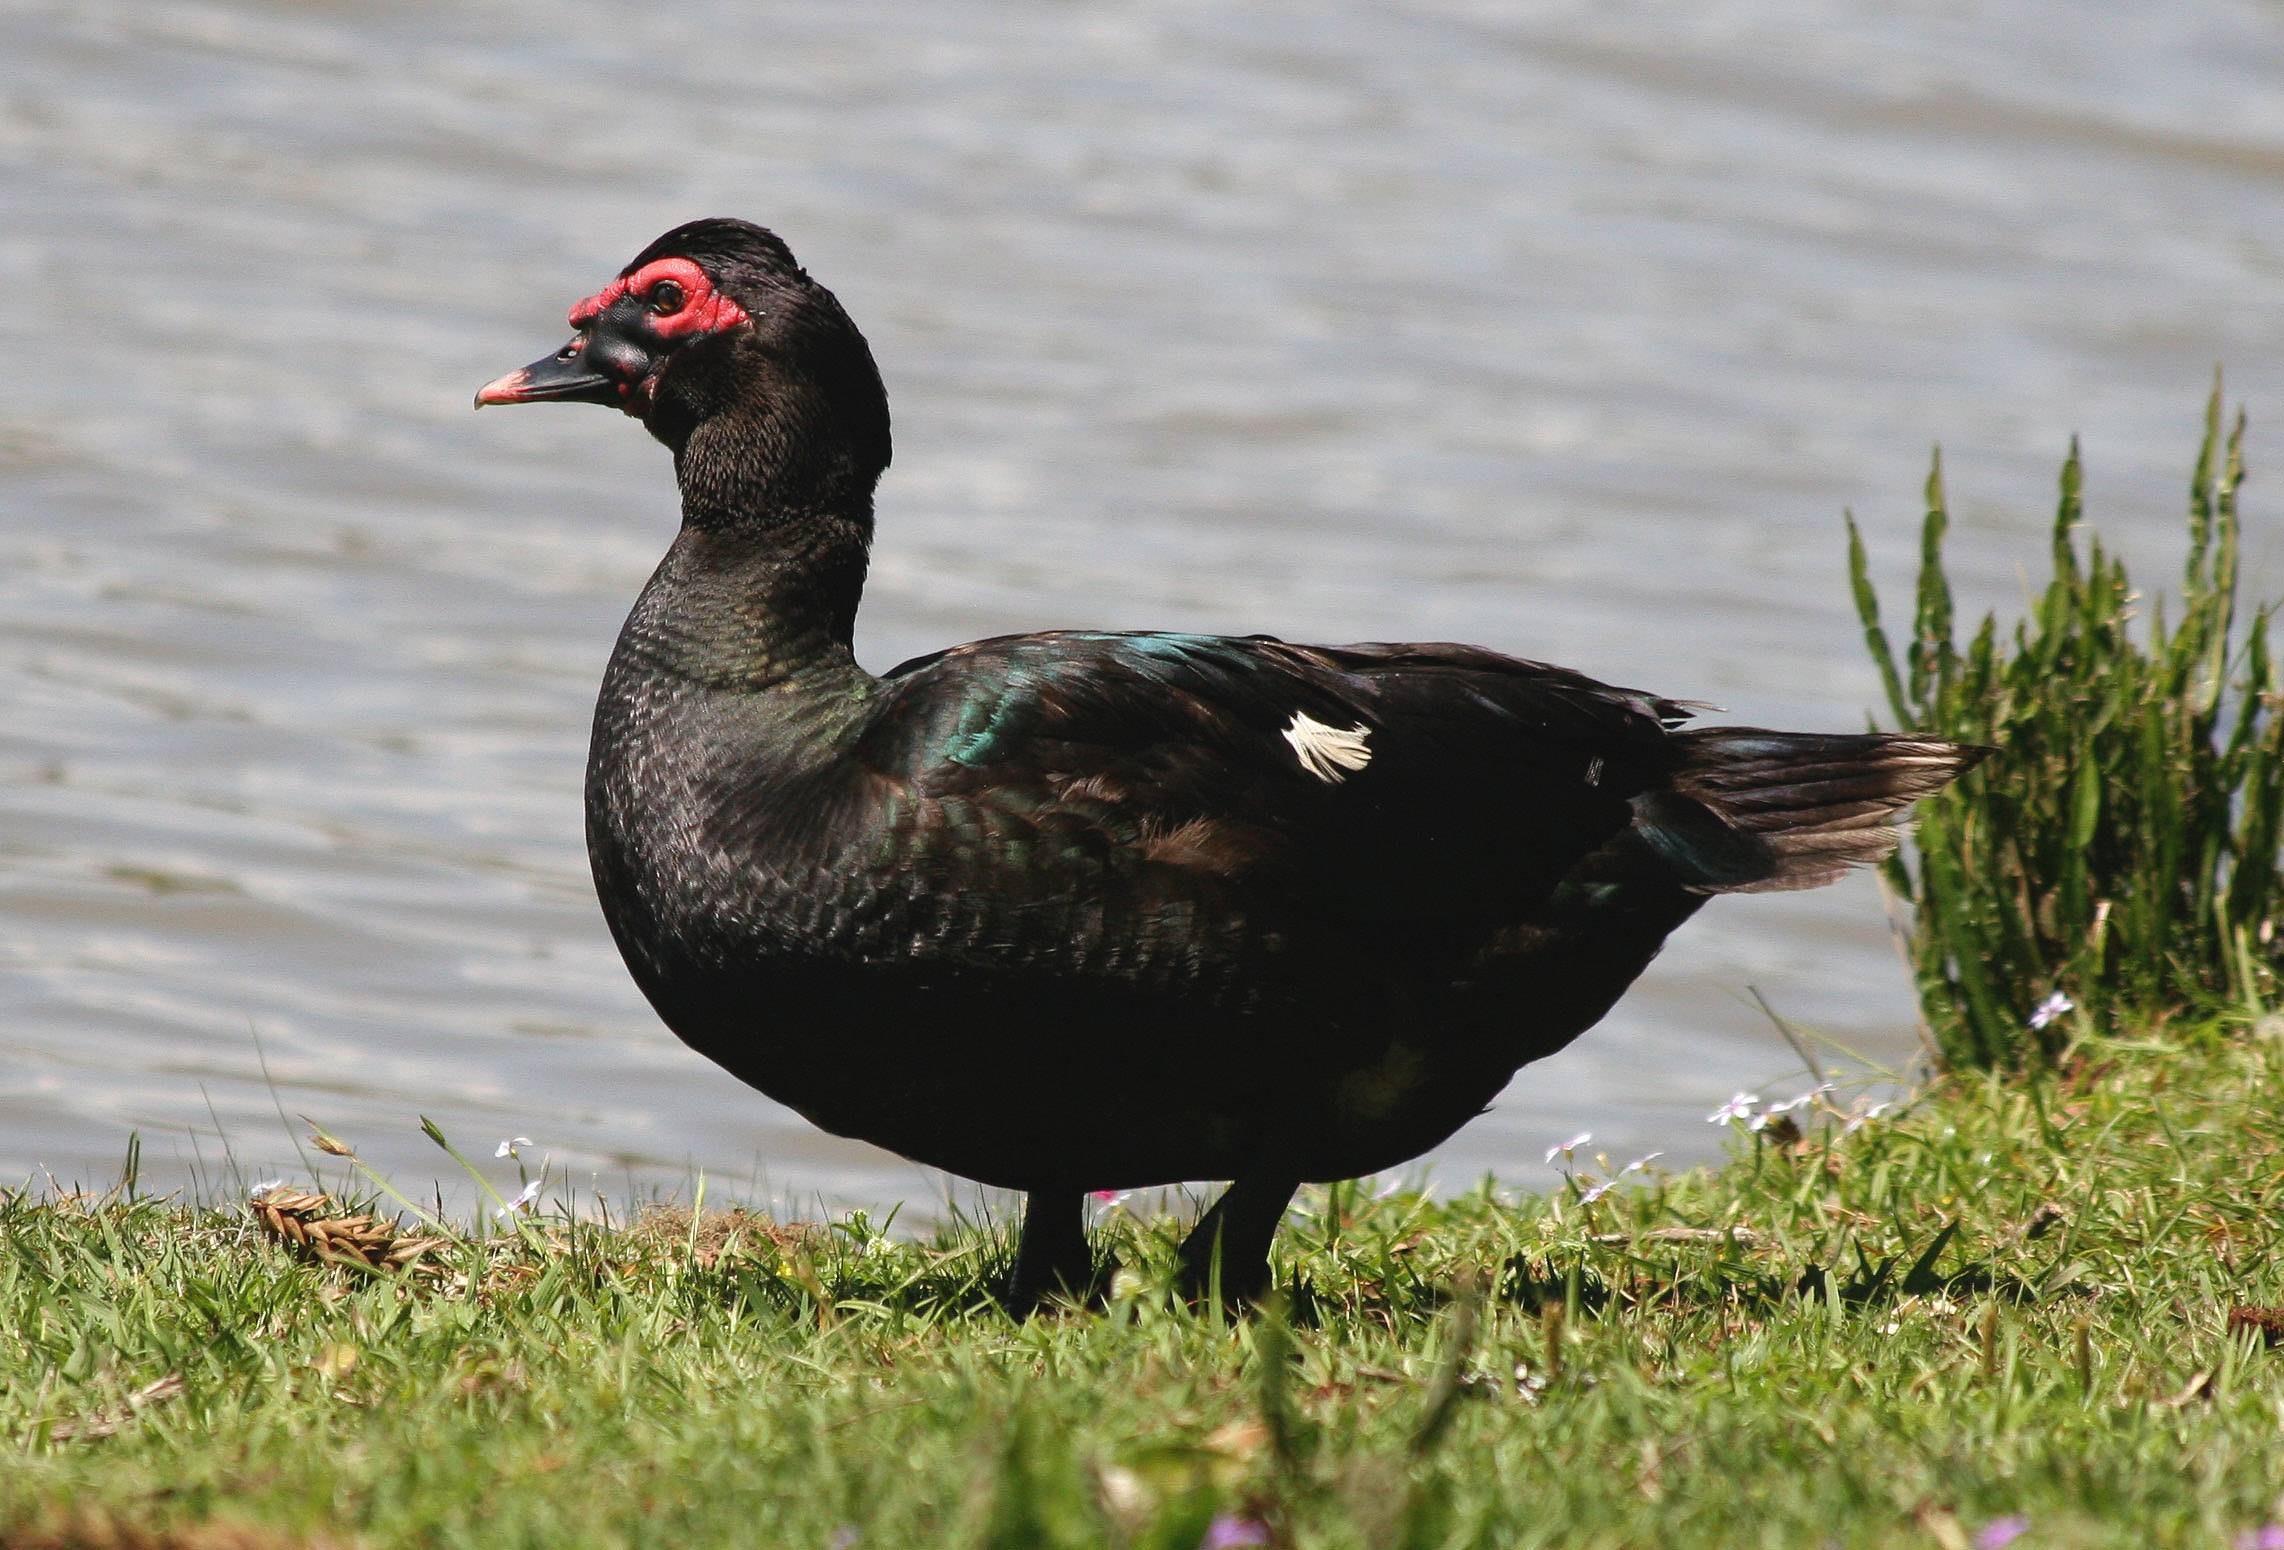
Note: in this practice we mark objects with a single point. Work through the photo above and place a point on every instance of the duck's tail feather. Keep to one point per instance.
(1753, 811)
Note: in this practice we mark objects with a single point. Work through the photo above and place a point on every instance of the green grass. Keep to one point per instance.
(2122, 847)
(2006, 1299)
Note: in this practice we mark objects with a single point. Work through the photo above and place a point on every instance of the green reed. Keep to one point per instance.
(2121, 846)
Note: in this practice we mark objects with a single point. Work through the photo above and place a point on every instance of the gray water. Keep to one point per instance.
(1568, 328)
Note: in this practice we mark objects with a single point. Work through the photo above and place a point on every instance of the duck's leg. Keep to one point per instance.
(1052, 1259)
(1236, 1233)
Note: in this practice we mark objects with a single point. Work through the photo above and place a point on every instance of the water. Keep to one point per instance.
(1567, 328)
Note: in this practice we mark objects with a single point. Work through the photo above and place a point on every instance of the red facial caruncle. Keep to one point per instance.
(691, 308)
(628, 334)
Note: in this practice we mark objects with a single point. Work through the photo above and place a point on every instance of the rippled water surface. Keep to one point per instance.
(1568, 328)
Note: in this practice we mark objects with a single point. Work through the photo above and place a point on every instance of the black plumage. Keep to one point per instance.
(1075, 911)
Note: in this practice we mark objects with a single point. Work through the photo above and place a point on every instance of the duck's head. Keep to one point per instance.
(715, 320)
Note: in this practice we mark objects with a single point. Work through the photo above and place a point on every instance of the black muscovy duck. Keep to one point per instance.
(1074, 911)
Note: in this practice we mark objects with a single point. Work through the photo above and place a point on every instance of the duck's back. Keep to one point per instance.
(1363, 884)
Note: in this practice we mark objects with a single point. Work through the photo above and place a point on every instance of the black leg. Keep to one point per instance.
(1236, 1232)
(1052, 1259)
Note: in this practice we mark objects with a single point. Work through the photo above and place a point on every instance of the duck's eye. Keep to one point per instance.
(666, 298)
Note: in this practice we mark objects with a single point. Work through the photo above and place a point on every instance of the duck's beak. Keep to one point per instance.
(563, 375)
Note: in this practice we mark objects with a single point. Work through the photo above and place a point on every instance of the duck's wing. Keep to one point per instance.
(1417, 788)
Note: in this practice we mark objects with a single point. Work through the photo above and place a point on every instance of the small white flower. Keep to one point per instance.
(1858, 1120)
(1565, 1148)
(524, 1198)
(508, 1147)
(2051, 1008)
(1588, 1196)
(263, 1188)
(1736, 1108)
(1800, 1102)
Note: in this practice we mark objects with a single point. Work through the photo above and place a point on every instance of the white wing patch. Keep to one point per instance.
(1328, 753)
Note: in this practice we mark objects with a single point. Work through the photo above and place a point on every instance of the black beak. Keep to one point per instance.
(563, 375)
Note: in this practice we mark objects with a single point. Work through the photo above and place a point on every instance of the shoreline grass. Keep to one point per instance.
(2009, 1301)
(2121, 848)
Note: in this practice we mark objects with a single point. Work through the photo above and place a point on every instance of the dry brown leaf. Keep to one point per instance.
(297, 1218)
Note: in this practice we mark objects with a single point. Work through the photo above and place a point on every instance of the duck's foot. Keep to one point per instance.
(1227, 1254)
(1053, 1262)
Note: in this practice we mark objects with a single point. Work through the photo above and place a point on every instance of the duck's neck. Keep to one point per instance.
(761, 587)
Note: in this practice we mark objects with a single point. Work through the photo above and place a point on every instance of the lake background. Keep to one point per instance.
(1565, 328)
